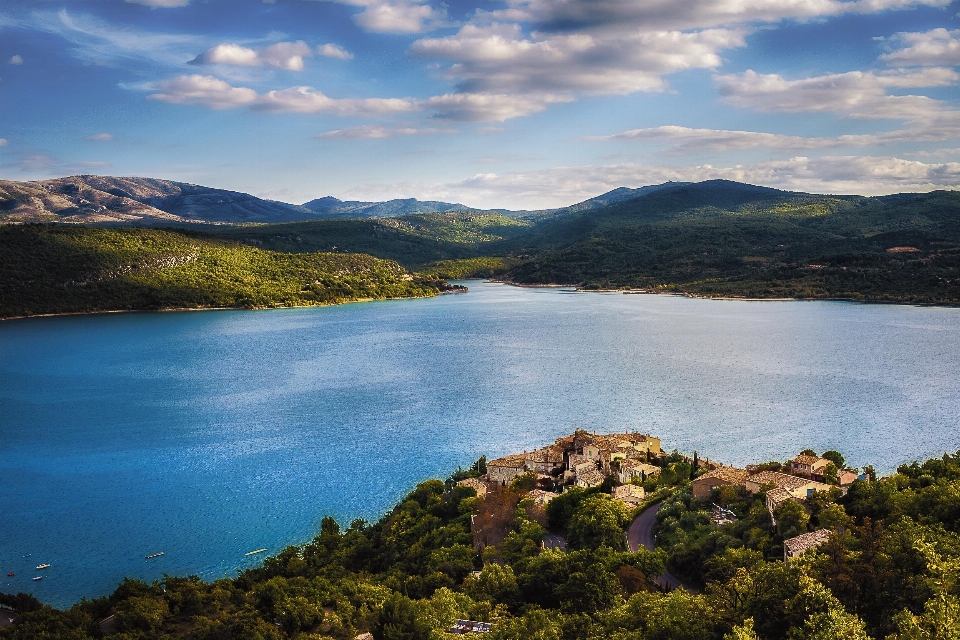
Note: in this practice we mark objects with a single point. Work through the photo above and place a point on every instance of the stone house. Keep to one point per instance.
(629, 494)
(504, 470)
(541, 497)
(776, 497)
(591, 478)
(704, 485)
(630, 469)
(547, 460)
(847, 477)
(809, 466)
(478, 485)
(796, 547)
(797, 487)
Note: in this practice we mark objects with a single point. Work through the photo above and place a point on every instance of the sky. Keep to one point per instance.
(520, 104)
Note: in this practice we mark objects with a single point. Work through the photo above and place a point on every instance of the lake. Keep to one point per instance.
(206, 435)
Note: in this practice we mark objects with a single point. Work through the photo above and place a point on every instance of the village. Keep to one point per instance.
(627, 460)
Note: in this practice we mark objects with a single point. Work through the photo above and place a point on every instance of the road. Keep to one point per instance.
(641, 532)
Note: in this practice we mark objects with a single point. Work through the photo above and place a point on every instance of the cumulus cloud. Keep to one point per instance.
(165, 4)
(397, 16)
(561, 186)
(934, 47)
(214, 93)
(282, 55)
(498, 58)
(101, 137)
(651, 15)
(475, 107)
(15, 59)
(371, 132)
(331, 50)
(203, 90)
(854, 91)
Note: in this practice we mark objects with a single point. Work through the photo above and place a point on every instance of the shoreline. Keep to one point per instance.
(181, 309)
(700, 296)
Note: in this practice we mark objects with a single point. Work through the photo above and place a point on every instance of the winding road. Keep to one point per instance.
(641, 533)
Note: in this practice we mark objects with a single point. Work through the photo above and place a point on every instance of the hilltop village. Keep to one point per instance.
(628, 465)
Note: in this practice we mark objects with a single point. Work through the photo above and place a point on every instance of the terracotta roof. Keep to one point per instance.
(628, 490)
(805, 459)
(782, 480)
(805, 541)
(776, 497)
(547, 454)
(592, 477)
(730, 474)
(516, 460)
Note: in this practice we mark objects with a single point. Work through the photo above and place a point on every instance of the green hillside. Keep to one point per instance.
(59, 269)
(887, 568)
(412, 240)
(727, 239)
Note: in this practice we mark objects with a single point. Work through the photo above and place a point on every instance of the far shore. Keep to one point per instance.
(701, 296)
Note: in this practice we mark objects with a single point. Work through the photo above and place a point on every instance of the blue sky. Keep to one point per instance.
(518, 104)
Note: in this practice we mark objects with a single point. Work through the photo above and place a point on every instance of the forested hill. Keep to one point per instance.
(728, 239)
(888, 569)
(56, 269)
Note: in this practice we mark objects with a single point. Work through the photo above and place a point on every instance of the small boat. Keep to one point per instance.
(154, 555)
(11, 574)
(253, 553)
(38, 578)
(42, 566)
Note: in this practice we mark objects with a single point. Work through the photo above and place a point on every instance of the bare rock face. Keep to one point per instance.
(105, 199)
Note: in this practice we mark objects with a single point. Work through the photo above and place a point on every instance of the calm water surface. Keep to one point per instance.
(207, 435)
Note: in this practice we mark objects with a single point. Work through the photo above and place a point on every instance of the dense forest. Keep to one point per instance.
(61, 269)
(889, 570)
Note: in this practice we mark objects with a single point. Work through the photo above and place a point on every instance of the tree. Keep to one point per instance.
(696, 464)
(834, 517)
(743, 632)
(831, 474)
(792, 518)
(835, 457)
(398, 619)
(599, 520)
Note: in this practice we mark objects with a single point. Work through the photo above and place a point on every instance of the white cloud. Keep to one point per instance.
(476, 107)
(214, 93)
(934, 47)
(101, 137)
(654, 15)
(282, 55)
(331, 50)
(100, 42)
(164, 4)
(499, 58)
(854, 91)
(16, 59)
(372, 132)
(562, 186)
(4, 142)
(203, 90)
(307, 100)
(397, 16)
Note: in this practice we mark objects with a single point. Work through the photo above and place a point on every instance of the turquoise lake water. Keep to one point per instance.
(206, 435)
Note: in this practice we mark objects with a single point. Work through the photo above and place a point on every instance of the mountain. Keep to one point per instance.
(331, 207)
(104, 200)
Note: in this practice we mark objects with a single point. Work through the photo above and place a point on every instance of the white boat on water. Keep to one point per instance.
(38, 578)
(42, 566)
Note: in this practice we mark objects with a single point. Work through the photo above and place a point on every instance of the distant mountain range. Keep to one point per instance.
(110, 200)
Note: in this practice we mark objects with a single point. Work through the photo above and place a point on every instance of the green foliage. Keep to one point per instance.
(892, 570)
(835, 457)
(56, 269)
(792, 518)
(598, 521)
